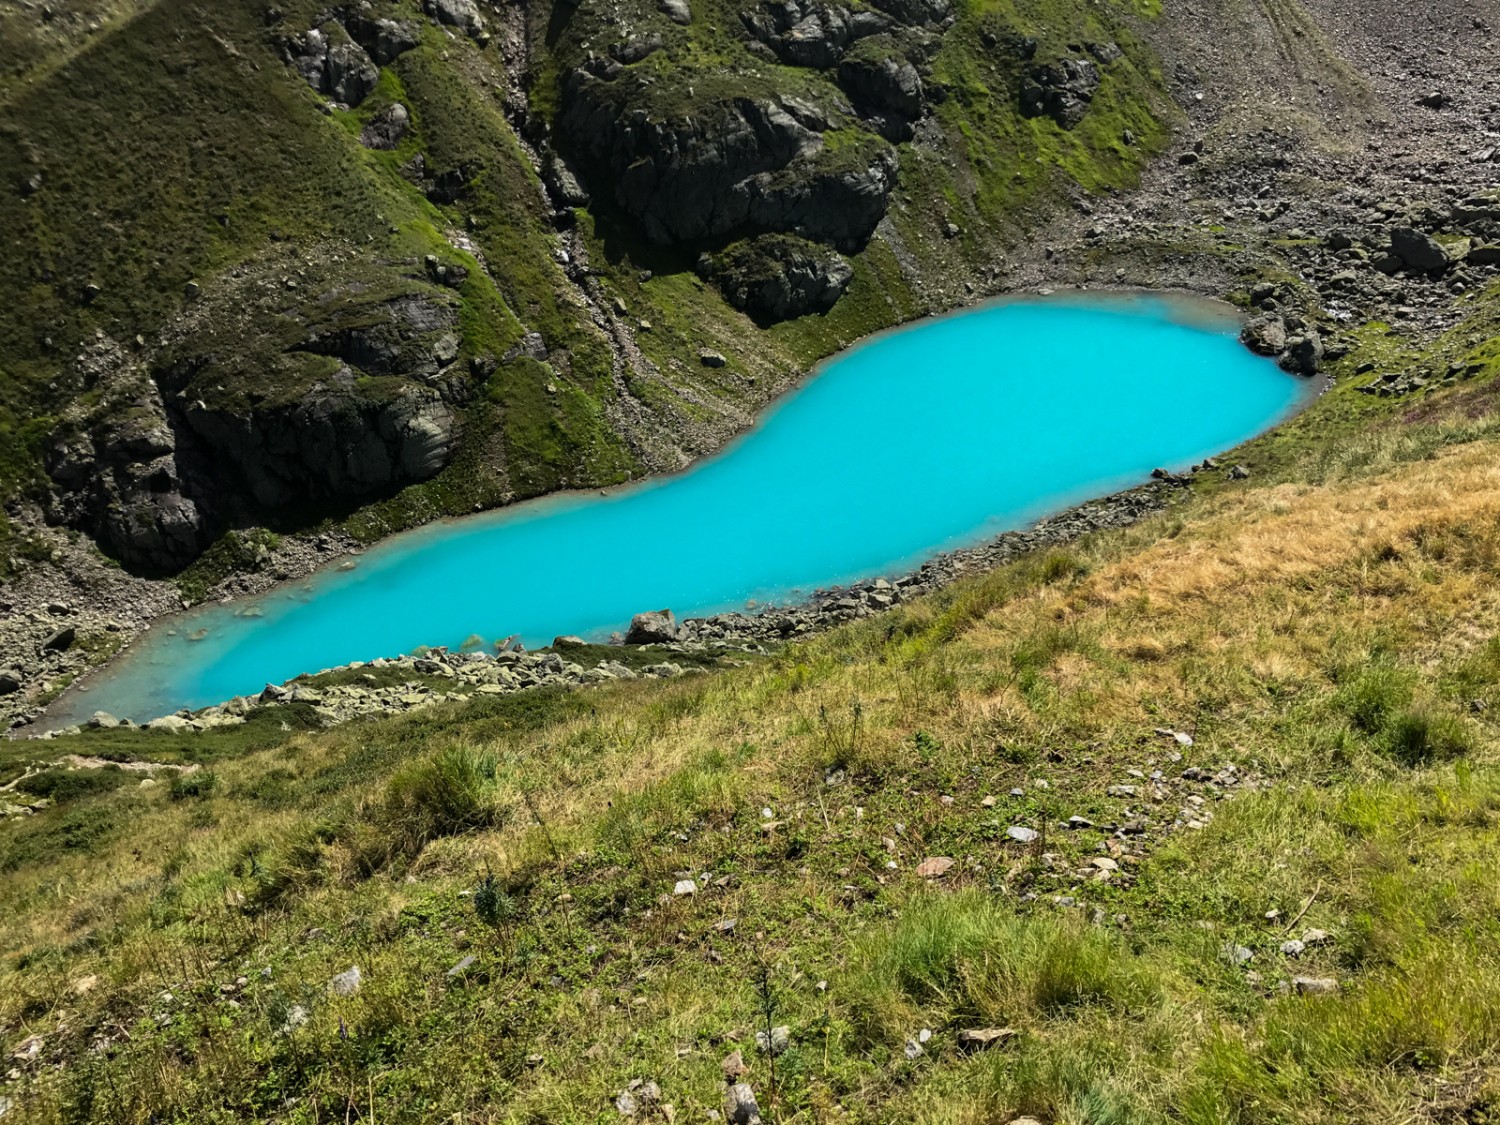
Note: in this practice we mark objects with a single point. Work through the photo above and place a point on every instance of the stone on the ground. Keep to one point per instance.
(778, 1041)
(1315, 986)
(677, 11)
(1418, 251)
(652, 628)
(1021, 833)
(935, 867)
(1237, 954)
(733, 1066)
(740, 1106)
(347, 983)
(62, 640)
(978, 1038)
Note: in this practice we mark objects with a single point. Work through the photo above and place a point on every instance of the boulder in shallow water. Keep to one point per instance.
(1265, 335)
(657, 627)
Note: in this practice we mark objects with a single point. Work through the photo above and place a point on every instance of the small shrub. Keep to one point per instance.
(445, 795)
(980, 961)
(275, 789)
(492, 904)
(1060, 566)
(199, 783)
(1419, 735)
(1373, 694)
(61, 786)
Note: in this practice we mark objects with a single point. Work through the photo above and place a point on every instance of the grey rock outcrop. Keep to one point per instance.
(813, 35)
(1060, 90)
(387, 128)
(778, 277)
(886, 83)
(385, 40)
(731, 165)
(462, 14)
(918, 13)
(330, 444)
(117, 470)
(333, 64)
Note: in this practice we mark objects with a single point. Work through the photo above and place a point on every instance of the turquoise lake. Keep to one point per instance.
(916, 441)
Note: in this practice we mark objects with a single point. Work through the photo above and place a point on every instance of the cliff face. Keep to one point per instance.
(271, 263)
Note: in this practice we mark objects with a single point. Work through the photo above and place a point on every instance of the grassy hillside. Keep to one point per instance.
(1270, 709)
(145, 149)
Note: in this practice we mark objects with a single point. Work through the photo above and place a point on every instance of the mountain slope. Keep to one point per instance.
(1252, 738)
(234, 226)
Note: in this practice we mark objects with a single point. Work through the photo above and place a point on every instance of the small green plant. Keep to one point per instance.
(493, 905)
(199, 783)
(1373, 694)
(1419, 735)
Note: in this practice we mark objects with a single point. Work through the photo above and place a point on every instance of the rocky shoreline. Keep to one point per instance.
(405, 683)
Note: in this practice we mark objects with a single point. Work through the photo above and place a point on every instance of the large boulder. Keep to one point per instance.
(1304, 353)
(350, 74)
(658, 627)
(1418, 251)
(1060, 90)
(777, 277)
(385, 40)
(332, 63)
(462, 14)
(1265, 335)
(884, 83)
(387, 128)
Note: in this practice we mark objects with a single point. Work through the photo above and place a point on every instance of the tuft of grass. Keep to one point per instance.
(970, 960)
(1373, 695)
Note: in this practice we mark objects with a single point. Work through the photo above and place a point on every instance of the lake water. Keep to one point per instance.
(917, 441)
